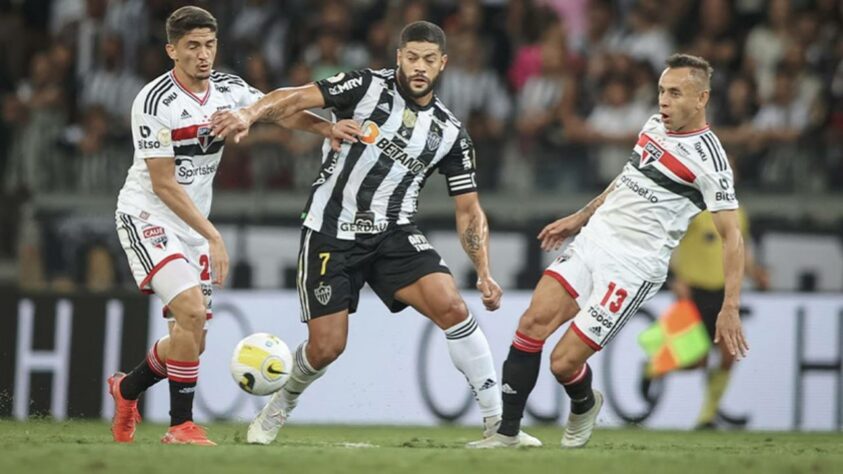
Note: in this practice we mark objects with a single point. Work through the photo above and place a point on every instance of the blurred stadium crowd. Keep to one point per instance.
(553, 91)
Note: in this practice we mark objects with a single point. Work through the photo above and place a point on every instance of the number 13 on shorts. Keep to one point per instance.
(614, 297)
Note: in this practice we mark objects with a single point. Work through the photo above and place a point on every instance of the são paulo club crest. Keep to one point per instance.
(155, 236)
(203, 134)
(651, 153)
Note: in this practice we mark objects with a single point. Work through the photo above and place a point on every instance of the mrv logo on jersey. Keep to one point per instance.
(186, 172)
(347, 86)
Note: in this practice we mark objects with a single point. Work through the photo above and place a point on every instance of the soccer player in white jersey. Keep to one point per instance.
(358, 224)
(173, 249)
(620, 257)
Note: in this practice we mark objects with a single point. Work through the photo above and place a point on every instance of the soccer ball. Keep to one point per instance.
(261, 364)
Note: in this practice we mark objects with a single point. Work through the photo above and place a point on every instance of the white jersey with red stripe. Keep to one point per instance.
(170, 121)
(669, 179)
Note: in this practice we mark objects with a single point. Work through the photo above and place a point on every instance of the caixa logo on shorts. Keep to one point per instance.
(323, 293)
(155, 236)
(186, 172)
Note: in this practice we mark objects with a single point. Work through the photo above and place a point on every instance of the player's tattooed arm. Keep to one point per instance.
(589, 209)
(473, 229)
(274, 107)
(555, 233)
(472, 238)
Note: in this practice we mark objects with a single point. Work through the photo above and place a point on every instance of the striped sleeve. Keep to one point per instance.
(459, 165)
(151, 124)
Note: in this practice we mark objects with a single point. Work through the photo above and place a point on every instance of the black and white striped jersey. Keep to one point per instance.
(373, 183)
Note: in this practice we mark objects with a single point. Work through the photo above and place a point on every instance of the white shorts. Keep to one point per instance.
(162, 263)
(607, 293)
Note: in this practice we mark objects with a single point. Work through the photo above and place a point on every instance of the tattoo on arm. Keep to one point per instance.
(472, 238)
(590, 208)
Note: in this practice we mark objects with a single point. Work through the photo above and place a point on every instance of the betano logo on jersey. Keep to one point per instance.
(397, 153)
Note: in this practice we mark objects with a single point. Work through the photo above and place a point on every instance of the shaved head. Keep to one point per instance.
(700, 70)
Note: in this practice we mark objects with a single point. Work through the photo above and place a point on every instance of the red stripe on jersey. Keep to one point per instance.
(669, 161)
(189, 92)
(187, 133)
(676, 167)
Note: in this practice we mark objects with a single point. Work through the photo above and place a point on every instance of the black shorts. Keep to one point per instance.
(331, 271)
(708, 302)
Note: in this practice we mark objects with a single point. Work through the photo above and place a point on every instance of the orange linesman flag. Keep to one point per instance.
(678, 339)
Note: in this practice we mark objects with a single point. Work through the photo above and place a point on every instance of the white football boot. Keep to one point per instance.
(493, 439)
(264, 428)
(579, 428)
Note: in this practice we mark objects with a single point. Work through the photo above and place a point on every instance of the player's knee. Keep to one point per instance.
(321, 353)
(450, 311)
(535, 324)
(563, 367)
(191, 318)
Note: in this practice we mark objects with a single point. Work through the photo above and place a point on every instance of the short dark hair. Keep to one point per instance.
(422, 31)
(186, 19)
(697, 65)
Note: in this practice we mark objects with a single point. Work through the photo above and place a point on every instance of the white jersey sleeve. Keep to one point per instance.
(715, 180)
(151, 129)
(247, 95)
(718, 190)
(242, 94)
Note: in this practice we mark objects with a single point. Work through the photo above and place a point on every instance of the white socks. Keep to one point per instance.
(303, 375)
(470, 353)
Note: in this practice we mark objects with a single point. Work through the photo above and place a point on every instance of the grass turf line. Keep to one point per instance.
(86, 447)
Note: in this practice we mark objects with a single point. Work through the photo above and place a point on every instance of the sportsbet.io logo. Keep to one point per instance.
(186, 172)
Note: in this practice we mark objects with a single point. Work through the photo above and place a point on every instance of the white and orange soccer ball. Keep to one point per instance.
(261, 364)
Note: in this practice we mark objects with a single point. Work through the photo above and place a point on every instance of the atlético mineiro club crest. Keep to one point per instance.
(155, 236)
(323, 293)
(203, 134)
(650, 151)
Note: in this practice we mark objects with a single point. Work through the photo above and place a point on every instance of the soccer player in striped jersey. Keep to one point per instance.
(162, 215)
(358, 223)
(621, 255)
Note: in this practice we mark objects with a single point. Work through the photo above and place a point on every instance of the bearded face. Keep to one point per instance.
(419, 66)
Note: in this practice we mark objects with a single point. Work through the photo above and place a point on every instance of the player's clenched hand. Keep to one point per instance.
(490, 293)
(556, 232)
(234, 123)
(345, 130)
(219, 261)
(728, 328)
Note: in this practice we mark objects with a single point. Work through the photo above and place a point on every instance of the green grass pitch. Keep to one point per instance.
(86, 447)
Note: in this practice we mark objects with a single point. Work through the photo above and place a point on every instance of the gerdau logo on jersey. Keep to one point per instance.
(397, 153)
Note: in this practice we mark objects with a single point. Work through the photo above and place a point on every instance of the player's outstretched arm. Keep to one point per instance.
(274, 107)
(556, 232)
(728, 327)
(345, 130)
(473, 229)
(162, 172)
